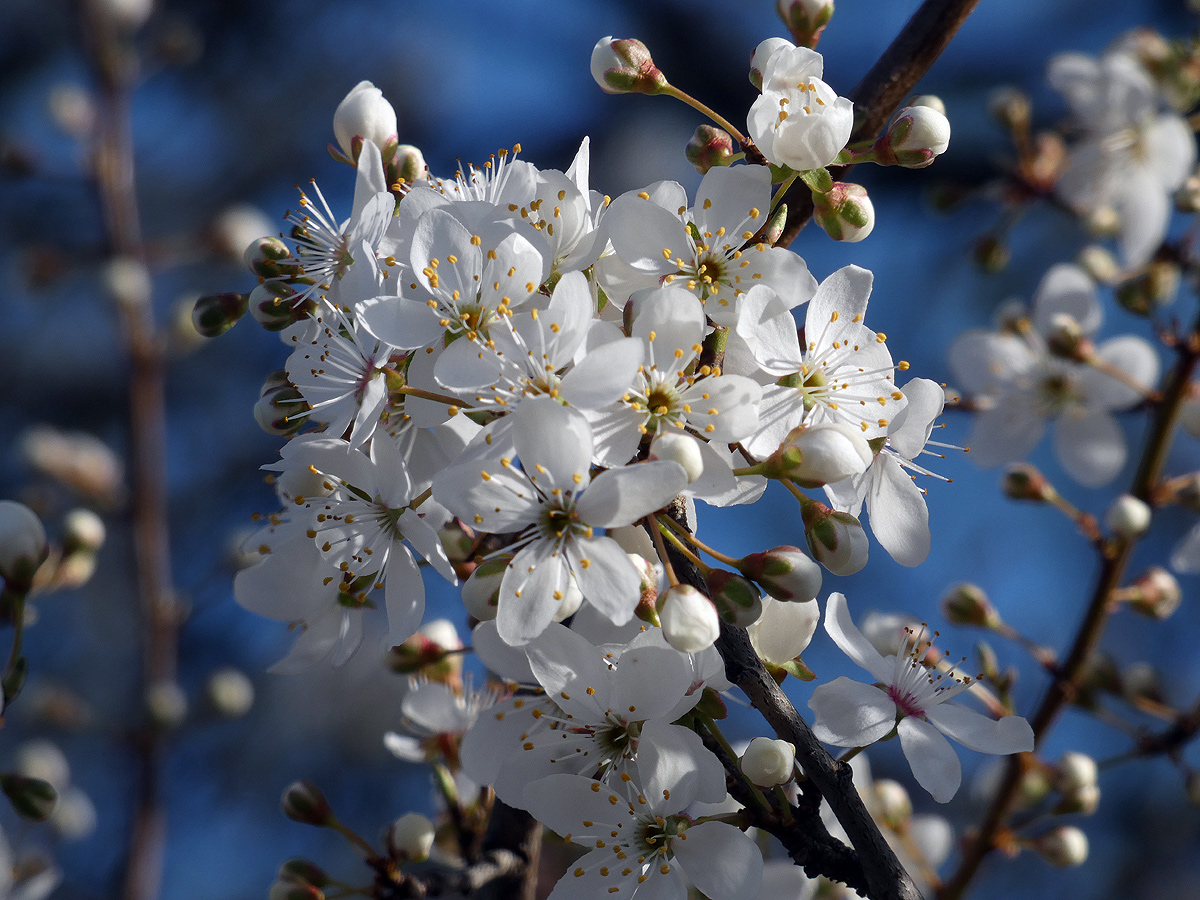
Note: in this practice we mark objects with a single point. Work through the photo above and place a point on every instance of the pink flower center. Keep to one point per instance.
(905, 702)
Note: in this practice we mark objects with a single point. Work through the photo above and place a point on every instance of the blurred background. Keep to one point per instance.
(232, 109)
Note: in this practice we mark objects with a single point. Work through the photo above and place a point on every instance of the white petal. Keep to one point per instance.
(526, 604)
(622, 496)
(604, 375)
(554, 444)
(676, 769)
(1066, 290)
(851, 641)
(1132, 355)
(1010, 734)
(934, 763)
(850, 713)
(899, 517)
(1090, 445)
(403, 594)
(649, 682)
(606, 577)
(400, 322)
(722, 861)
(1185, 558)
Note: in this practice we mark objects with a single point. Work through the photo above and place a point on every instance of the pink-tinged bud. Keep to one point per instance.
(845, 212)
(967, 604)
(281, 411)
(481, 592)
(624, 66)
(768, 762)
(1024, 482)
(681, 448)
(758, 59)
(273, 306)
(709, 146)
(835, 539)
(1065, 845)
(805, 19)
(264, 255)
(215, 314)
(410, 838)
(303, 802)
(819, 455)
(689, 620)
(786, 573)
(916, 137)
(1128, 517)
(23, 546)
(1155, 593)
(737, 600)
(31, 798)
(366, 115)
(647, 608)
(431, 651)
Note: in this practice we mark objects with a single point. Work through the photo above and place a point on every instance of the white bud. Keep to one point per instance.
(933, 101)
(920, 129)
(443, 633)
(1103, 221)
(1063, 846)
(366, 114)
(624, 65)
(166, 704)
(22, 541)
(680, 448)
(74, 815)
(784, 630)
(127, 281)
(1075, 771)
(822, 454)
(1099, 263)
(758, 59)
(411, 835)
(42, 759)
(230, 692)
(83, 528)
(481, 590)
(768, 762)
(239, 226)
(894, 803)
(73, 110)
(1128, 517)
(689, 620)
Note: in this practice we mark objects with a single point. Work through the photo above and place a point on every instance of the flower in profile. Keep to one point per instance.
(912, 700)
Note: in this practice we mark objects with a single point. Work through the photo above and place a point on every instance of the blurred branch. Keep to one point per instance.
(113, 63)
(885, 86)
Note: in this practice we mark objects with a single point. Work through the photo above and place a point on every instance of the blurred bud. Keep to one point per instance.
(1155, 593)
(364, 114)
(845, 212)
(1103, 221)
(74, 815)
(303, 802)
(624, 66)
(82, 529)
(1100, 264)
(1074, 771)
(758, 59)
(457, 540)
(689, 620)
(647, 608)
(431, 651)
(58, 706)
(1128, 517)
(408, 165)
(708, 147)
(768, 762)
(80, 461)
(1065, 845)
(291, 889)
(1188, 494)
(992, 254)
(215, 314)
(915, 138)
(805, 19)
(737, 600)
(43, 760)
(31, 798)
(281, 411)
(236, 228)
(166, 704)
(835, 539)
(127, 281)
(73, 110)
(263, 257)
(1066, 339)
(786, 573)
(893, 803)
(23, 545)
(1141, 681)
(933, 101)
(1033, 786)
(816, 455)
(680, 448)
(410, 837)
(967, 604)
(303, 871)
(1010, 107)
(1187, 199)
(127, 15)
(1083, 802)
(230, 692)
(480, 592)
(1154, 288)
(1099, 674)
(273, 306)
(1024, 482)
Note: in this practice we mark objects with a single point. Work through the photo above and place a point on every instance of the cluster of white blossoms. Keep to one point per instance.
(511, 382)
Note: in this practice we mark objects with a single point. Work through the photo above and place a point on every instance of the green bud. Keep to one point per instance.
(967, 604)
(304, 871)
(303, 802)
(264, 255)
(31, 798)
(625, 66)
(273, 305)
(708, 147)
(214, 314)
(1024, 482)
(737, 600)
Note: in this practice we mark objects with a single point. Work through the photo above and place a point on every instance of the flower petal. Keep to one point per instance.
(850, 713)
(1010, 734)
(934, 763)
(851, 641)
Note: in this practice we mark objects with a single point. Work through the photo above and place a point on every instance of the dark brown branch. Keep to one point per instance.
(512, 832)
(890, 81)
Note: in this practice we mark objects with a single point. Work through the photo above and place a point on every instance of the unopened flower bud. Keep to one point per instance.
(1128, 517)
(364, 114)
(75, 816)
(689, 620)
(805, 19)
(835, 539)
(624, 66)
(31, 798)
(737, 600)
(1082, 801)
(263, 257)
(814, 456)
(1024, 482)
(933, 101)
(786, 573)
(1154, 288)
(481, 592)
(1010, 107)
(166, 704)
(303, 802)
(967, 604)
(1066, 338)
(1141, 681)
(1103, 221)
(23, 545)
(82, 530)
(1065, 845)
(916, 137)
(647, 608)
(768, 762)
(1187, 198)
(215, 314)
(1099, 674)
(1155, 593)
(1033, 786)
(282, 411)
(273, 306)
(1099, 263)
(708, 147)
(44, 761)
(408, 164)
(127, 281)
(1074, 771)
(230, 692)
(893, 803)
(758, 59)
(410, 837)
(304, 871)
(680, 448)
(783, 631)
(845, 212)
(457, 540)
(992, 254)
